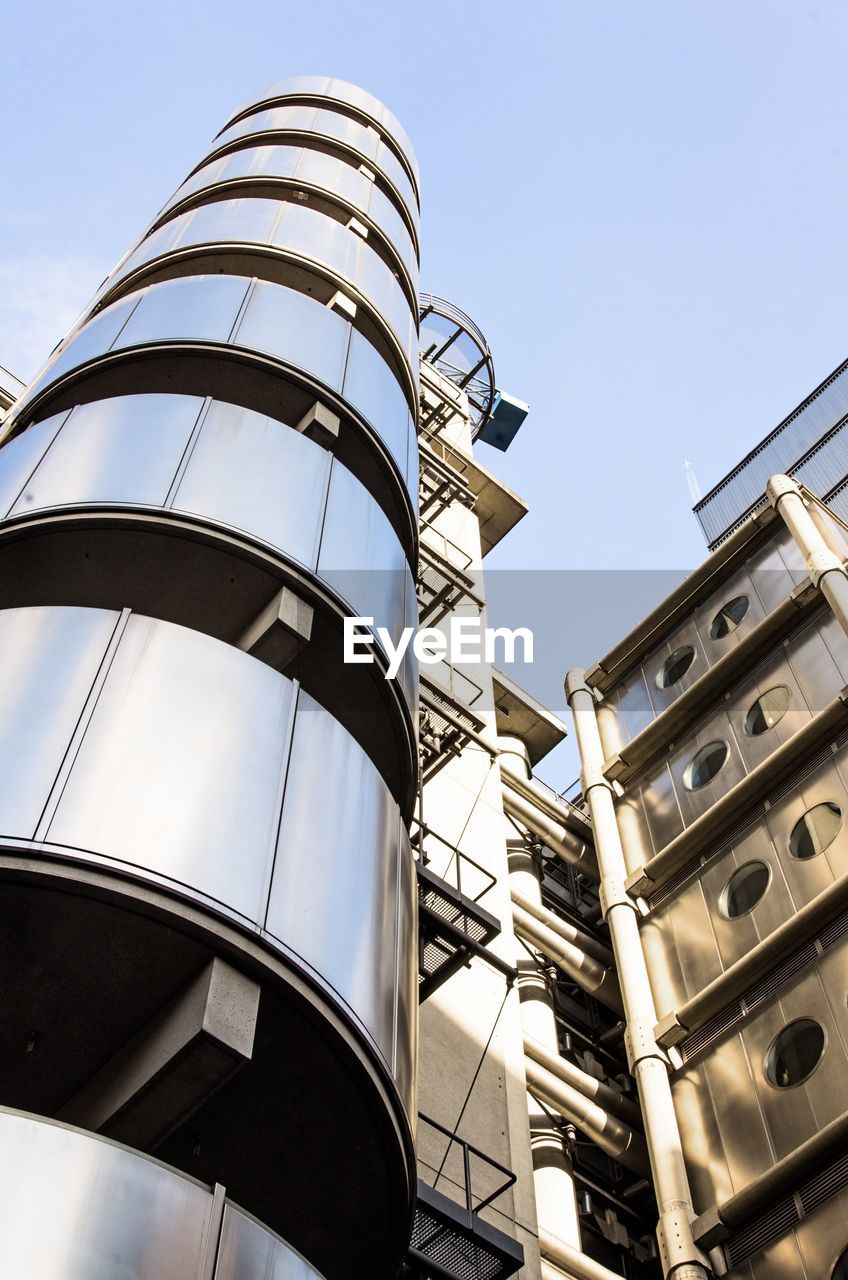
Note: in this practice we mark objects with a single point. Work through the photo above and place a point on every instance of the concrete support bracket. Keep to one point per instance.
(321, 425)
(344, 305)
(280, 631)
(172, 1065)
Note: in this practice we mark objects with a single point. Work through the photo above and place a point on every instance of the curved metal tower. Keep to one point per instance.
(206, 876)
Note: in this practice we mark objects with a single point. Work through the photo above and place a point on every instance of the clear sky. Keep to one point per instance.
(642, 204)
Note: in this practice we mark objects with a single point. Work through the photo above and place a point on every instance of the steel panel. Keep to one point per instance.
(372, 389)
(202, 308)
(743, 1137)
(78, 1208)
(709, 1176)
(297, 329)
(125, 450)
(20, 456)
(96, 336)
(49, 661)
(256, 474)
(360, 553)
(248, 1251)
(661, 805)
(406, 1047)
(180, 769)
(334, 893)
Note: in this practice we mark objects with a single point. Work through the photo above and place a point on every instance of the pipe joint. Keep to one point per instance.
(592, 775)
(780, 487)
(680, 1257)
(640, 1043)
(823, 561)
(613, 893)
(575, 682)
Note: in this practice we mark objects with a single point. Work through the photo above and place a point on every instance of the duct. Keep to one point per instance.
(826, 567)
(680, 1255)
(565, 930)
(569, 1262)
(595, 1090)
(585, 970)
(553, 808)
(608, 1132)
(553, 834)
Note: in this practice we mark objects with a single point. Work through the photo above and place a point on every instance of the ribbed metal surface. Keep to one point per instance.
(462, 1256)
(787, 1212)
(780, 451)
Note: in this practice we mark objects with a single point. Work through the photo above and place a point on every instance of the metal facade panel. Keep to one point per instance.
(249, 1252)
(199, 308)
(255, 474)
(334, 895)
(79, 1208)
(19, 458)
(179, 772)
(295, 328)
(49, 661)
(122, 450)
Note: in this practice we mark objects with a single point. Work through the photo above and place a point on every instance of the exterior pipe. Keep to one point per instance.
(609, 1133)
(569, 1262)
(587, 972)
(595, 1090)
(561, 841)
(569, 932)
(548, 804)
(681, 1258)
(826, 568)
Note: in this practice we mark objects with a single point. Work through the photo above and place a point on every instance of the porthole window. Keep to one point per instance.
(675, 666)
(795, 1053)
(768, 711)
(840, 1271)
(705, 765)
(744, 890)
(815, 832)
(729, 616)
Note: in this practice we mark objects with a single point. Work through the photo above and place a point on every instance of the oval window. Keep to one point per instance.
(795, 1053)
(675, 667)
(840, 1271)
(767, 711)
(815, 832)
(729, 616)
(705, 765)
(744, 890)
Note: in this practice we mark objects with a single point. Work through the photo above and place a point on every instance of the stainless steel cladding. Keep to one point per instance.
(734, 745)
(215, 469)
(105, 1202)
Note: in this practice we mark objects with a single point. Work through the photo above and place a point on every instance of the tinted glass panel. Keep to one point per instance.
(705, 765)
(795, 1053)
(744, 890)
(729, 616)
(675, 666)
(816, 831)
(768, 711)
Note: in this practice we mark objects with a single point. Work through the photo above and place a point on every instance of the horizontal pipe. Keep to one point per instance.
(593, 1089)
(779, 1180)
(607, 1132)
(731, 984)
(569, 932)
(555, 809)
(570, 1262)
(587, 972)
(571, 848)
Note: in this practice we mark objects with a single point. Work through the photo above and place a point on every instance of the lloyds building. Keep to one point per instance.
(306, 973)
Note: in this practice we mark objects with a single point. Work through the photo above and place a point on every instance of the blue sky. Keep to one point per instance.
(642, 204)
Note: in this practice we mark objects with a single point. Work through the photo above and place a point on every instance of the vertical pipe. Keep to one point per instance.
(553, 1182)
(681, 1258)
(825, 566)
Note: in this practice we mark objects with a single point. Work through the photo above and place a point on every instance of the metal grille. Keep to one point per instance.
(787, 1212)
(443, 1243)
(766, 989)
(452, 929)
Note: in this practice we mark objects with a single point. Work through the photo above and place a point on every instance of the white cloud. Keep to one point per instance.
(40, 298)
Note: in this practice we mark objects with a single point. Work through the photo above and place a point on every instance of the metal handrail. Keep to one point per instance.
(468, 1150)
(423, 832)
